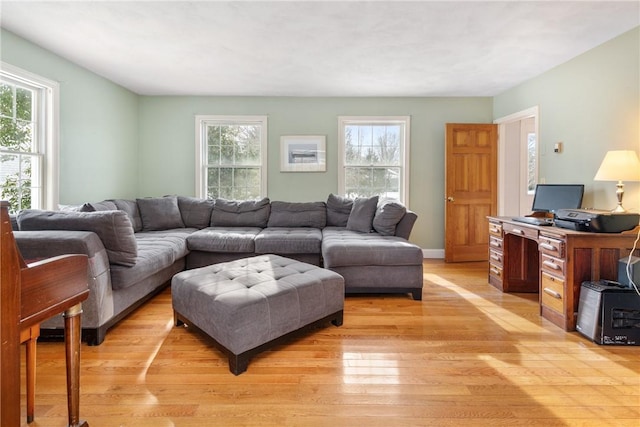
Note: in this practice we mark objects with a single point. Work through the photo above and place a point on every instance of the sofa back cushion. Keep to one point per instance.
(306, 214)
(240, 213)
(105, 205)
(338, 210)
(160, 213)
(113, 227)
(362, 213)
(195, 212)
(131, 209)
(387, 217)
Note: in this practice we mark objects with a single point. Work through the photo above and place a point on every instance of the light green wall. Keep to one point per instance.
(592, 105)
(167, 145)
(98, 125)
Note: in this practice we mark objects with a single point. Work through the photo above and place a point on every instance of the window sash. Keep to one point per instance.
(43, 120)
(396, 158)
(233, 166)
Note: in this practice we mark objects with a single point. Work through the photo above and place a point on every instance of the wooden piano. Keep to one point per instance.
(30, 294)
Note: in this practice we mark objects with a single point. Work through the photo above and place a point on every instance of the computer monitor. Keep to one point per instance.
(551, 197)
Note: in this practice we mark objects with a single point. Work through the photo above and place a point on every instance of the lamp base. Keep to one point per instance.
(619, 196)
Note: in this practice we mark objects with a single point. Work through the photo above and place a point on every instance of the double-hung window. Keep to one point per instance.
(28, 140)
(373, 157)
(231, 157)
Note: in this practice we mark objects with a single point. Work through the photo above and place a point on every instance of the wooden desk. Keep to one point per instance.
(554, 262)
(30, 294)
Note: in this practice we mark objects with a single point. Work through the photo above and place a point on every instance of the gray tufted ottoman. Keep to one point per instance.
(250, 304)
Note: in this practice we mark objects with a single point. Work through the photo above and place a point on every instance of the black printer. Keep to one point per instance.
(596, 220)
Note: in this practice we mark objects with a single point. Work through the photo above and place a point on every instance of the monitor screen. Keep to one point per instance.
(551, 197)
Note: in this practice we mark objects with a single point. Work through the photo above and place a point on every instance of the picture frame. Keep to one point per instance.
(303, 153)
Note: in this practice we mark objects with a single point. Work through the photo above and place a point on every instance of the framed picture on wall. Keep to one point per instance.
(303, 153)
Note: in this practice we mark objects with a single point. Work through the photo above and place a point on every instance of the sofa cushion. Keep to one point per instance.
(283, 240)
(131, 209)
(307, 214)
(387, 217)
(195, 212)
(362, 213)
(338, 210)
(240, 213)
(224, 239)
(341, 247)
(160, 213)
(157, 250)
(113, 227)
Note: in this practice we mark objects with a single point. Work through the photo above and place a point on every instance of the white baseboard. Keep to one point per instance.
(433, 253)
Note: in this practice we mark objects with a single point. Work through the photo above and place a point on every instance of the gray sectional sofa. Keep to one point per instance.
(136, 246)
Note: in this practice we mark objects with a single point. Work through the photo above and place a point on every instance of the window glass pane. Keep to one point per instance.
(15, 181)
(531, 162)
(16, 135)
(6, 100)
(23, 103)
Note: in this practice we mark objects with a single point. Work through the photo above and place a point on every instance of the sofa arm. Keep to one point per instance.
(37, 245)
(404, 227)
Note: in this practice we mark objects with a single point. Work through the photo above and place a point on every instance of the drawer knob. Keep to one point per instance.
(548, 247)
(551, 264)
(553, 293)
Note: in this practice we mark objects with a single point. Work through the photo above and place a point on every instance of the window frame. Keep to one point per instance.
(46, 132)
(405, 121)
(201, 165)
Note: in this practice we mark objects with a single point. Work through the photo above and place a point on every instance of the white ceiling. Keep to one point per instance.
(319, 48)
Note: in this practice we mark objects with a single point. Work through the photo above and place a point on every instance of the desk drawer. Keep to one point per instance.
(552, 265)
(496, 272)
(495, 229)
(552, 292)
(495, 258)
(495, 243)
(529, 233)
(550, 246)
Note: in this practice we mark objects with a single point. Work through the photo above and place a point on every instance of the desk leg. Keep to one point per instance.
(31, 377)
(72, 350)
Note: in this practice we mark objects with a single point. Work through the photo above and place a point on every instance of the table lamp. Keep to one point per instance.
(619, 165)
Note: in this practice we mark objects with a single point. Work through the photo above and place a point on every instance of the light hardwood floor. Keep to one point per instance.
(467, 355)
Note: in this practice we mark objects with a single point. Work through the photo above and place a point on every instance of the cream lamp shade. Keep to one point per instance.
(619, 165)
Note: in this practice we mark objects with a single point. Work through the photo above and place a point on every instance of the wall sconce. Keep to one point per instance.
(621, 165)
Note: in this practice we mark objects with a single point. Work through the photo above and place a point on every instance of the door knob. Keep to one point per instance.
(450, 199)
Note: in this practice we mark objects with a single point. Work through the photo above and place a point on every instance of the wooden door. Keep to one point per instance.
(471, 193)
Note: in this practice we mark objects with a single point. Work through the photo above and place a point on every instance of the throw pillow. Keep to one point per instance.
(195, 212)
(240, 213)
(362, 213)
(387, 216)
(160, 213)
(338, 210)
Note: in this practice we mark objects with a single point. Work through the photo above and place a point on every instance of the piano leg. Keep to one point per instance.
(72, 349)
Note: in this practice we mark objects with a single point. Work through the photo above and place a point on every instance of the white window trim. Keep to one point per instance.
(49, 127)
(406, 120)
(201, 148)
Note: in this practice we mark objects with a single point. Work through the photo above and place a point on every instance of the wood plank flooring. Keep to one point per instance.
(467, 355)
